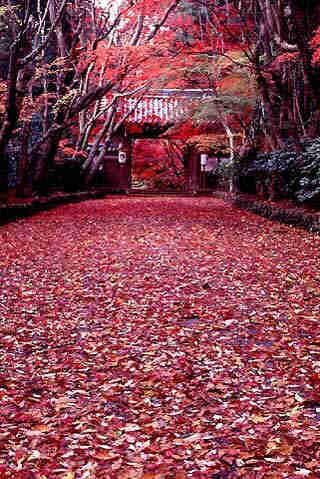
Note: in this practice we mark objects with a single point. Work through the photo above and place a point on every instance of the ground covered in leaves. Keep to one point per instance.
(158, 338)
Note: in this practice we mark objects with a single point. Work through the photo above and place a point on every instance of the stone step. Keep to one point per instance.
(146, 192)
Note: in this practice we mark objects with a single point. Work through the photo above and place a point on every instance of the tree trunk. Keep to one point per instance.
(24, 187)
(44, 159)
(10, 118)
(231, 157)
(96, 162)
(94, 159)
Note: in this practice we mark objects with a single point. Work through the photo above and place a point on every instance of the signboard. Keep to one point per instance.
(122, 158)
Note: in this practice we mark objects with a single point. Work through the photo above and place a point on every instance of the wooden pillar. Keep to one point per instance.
(192, 171)
(125, 169)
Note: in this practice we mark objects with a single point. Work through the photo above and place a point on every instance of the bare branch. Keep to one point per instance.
(158, 25)
(45, 41)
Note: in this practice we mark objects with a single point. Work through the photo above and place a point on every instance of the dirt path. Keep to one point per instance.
(158, 338)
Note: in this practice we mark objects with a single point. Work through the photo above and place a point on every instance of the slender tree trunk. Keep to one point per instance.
(10, 117)
(96, 162)
(24, 187)
(95, 157)
(231, 156)
(97, 142)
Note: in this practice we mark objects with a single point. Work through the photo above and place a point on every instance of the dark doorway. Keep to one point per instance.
(157, 165)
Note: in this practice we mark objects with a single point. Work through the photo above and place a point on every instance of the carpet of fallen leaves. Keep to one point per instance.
(156, 338)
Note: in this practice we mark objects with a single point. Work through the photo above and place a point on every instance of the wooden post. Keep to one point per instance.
(125, 168)
(195, 171)
(192, 171)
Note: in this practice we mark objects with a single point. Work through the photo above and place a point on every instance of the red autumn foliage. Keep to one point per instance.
(157, 166)
(158, 338)
(315, 45)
